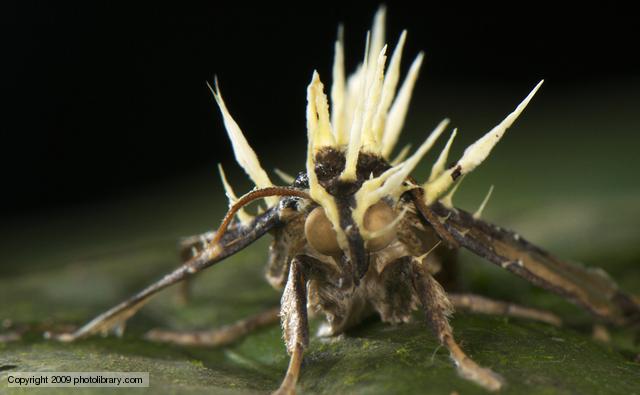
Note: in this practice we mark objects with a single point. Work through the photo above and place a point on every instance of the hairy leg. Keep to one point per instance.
(484, 305)
(295, 324)
(219, 336)
(437, 309)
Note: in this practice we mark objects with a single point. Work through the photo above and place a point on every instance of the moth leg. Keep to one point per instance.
(189, 248)
(438, 308)
(234, 240)
(219, 336)
(483, 305)
(295, 326)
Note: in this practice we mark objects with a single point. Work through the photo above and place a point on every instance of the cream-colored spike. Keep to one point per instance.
(352, 99)
(441, 162)
(480, 209)
(244, 217)
(398, 112)
(392, 76)
(402, 155)
(355, 132)
(245, 156)
(377, 35)
(284, 176)
(316, 191)
(369, 137)
(447, 200)
(390, 182)
(319, 121)
(475, 153)
(338, 92)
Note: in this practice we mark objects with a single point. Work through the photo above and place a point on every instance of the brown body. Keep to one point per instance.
(385, 289)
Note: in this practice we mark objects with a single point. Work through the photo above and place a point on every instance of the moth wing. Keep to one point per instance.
(590, 288)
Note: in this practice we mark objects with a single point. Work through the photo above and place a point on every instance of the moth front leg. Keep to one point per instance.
(438, 308)
(295, 325)
(234, 240)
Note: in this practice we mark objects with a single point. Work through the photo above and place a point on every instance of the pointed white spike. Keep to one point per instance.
(369, 137)
(351, 104)
(284, 176)
(398, 112)
(402, 155)
(480, 209)
(377, 35)
(392, 76)
(318, 114)
(355, 132)
(245, 156)
(441, 162)
(478, 151)
(447, 200)
(338, 92)
(243, 216)
(475, 153)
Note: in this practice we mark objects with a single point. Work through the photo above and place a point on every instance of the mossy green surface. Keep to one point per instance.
(69, 266)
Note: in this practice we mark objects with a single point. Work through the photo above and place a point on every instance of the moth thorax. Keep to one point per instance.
(377, 218)
(320, 233)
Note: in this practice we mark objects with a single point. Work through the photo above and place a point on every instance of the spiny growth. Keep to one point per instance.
(366, 116)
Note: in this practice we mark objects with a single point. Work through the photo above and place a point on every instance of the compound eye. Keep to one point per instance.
(378, 217)
(320, 233)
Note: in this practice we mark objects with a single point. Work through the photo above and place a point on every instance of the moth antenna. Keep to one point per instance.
(439, 165)
(243, 216)
(392, 76)
(475, 154)
(480, 209)
(245, 155)
(398, 112)
(338, 92)
(285, 177)
(447, 200)
(402, 155)
(248, 198)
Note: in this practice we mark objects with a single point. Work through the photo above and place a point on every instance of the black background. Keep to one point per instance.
(102, 98)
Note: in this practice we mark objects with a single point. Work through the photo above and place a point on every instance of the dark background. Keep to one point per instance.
(102, 99)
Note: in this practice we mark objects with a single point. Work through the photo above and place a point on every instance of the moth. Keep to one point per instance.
(354, 234)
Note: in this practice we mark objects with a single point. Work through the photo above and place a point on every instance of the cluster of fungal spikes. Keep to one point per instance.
(367, 114)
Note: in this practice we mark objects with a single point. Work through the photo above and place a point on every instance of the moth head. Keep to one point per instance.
(344, 224)
(378, 230)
